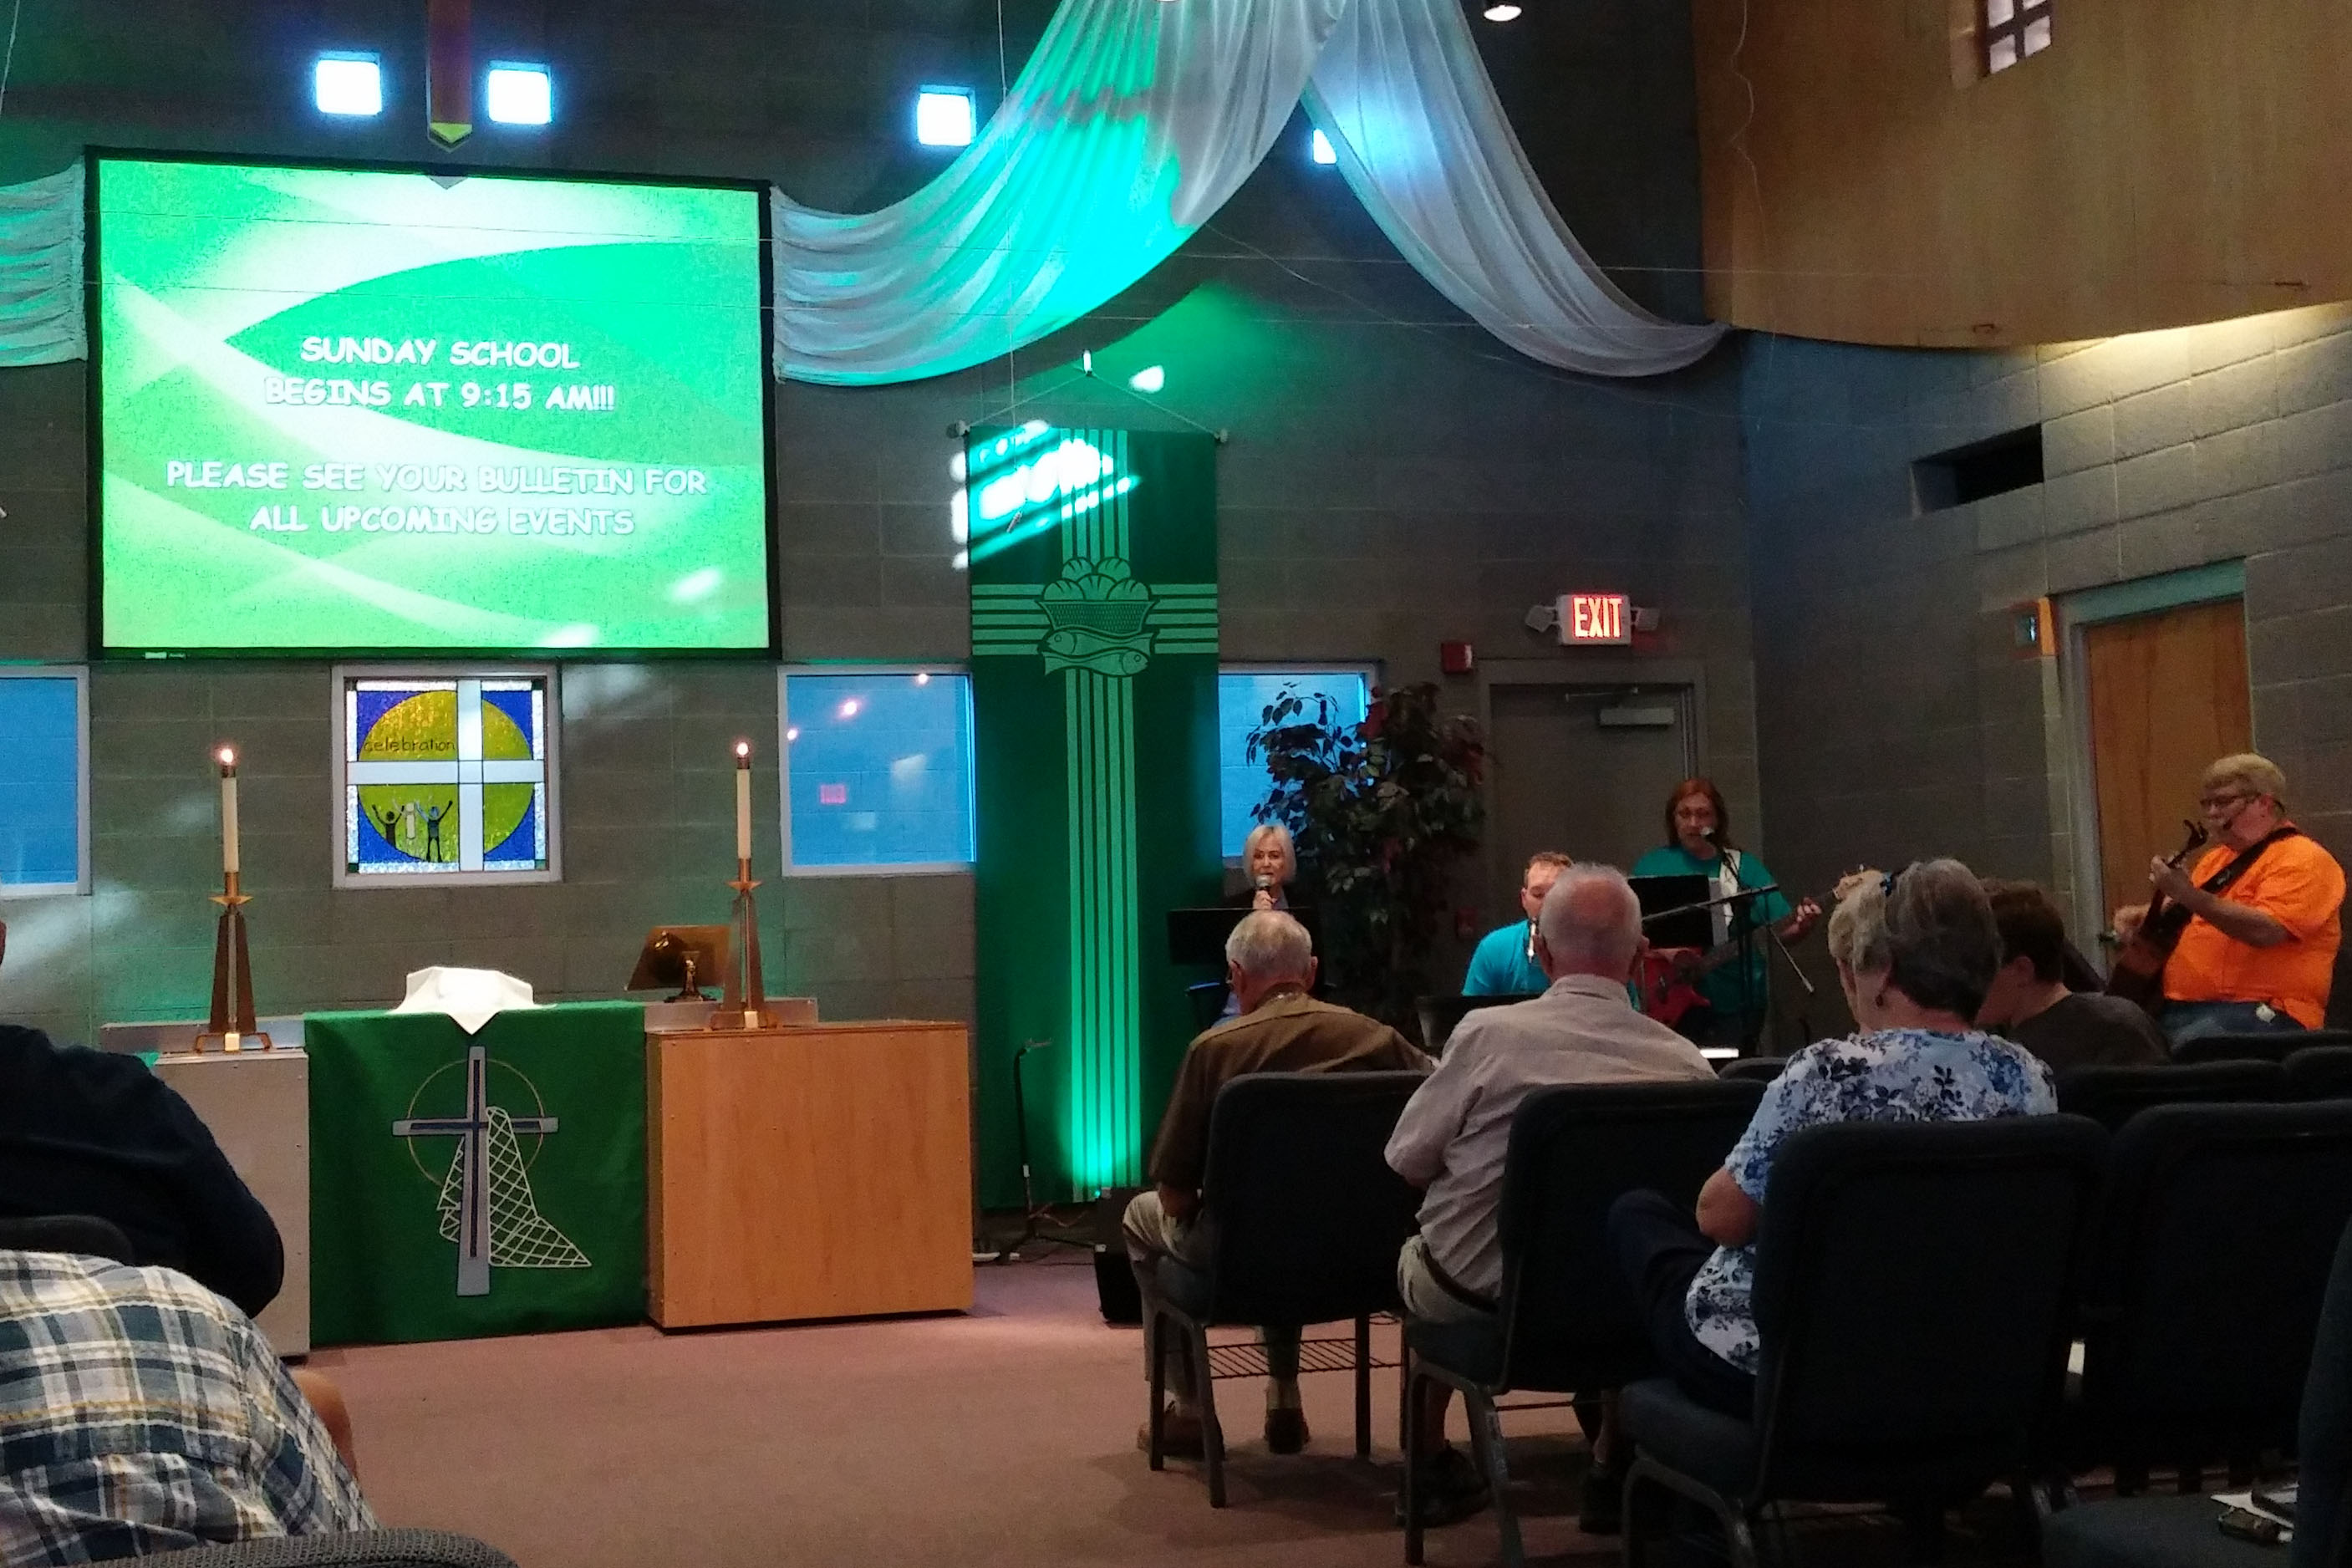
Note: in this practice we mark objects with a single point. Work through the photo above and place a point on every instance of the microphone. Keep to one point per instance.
(1713, 835)
(1262, 883)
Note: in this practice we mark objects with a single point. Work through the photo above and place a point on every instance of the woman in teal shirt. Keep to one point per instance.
(1698, 844)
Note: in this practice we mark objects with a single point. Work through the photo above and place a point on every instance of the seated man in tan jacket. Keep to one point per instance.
(1270, 965)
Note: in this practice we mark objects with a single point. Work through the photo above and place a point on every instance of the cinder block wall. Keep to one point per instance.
(1394, 477)
(1895, 719)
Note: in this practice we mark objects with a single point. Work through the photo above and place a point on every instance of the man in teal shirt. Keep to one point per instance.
(1698, 844)
(1504, 962)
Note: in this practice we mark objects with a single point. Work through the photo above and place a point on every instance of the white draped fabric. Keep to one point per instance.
(41, 318)
(1423, 140)
(1128, 127)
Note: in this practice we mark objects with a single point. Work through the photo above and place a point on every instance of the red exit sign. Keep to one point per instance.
(1605, 618)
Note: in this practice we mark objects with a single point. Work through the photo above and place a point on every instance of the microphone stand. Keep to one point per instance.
(1804, 1011)
(1029, 1210)
(1714, 903)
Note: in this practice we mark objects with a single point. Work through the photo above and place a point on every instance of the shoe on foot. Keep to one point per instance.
(1599, 1509)
(1180, 1435)
(1450, 1489)
(1286, 1431)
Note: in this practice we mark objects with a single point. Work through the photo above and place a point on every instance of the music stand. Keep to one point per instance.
(1197, 937)
(1667, 918)
(1441, 1015)
(688, 957)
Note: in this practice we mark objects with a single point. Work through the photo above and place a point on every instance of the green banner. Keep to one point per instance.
(468, 1185)
(1093, 559)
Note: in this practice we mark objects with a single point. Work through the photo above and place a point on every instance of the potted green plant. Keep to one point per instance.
(1382, 813)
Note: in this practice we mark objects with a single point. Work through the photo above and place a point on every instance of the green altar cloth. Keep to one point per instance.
(468, 1185)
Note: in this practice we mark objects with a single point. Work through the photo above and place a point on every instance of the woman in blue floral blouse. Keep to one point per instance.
(1914, 955)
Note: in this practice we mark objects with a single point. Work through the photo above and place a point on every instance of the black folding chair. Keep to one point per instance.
(1913, 1287)
(1762, 1069)
(1566, 1323)
(2203, 1290)
(2268, 1045)
(82, 1234)
(1306, 1220)
(2114, 1095)
(2319, 1072)
(1441, 1015)
(351, 1548)
(2178, 1532)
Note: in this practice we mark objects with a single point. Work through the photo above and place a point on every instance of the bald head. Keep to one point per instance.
(1590, 924)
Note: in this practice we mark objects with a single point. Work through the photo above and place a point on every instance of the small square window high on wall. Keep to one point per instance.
(2010, 30)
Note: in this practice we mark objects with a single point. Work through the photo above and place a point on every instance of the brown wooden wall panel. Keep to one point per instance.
(808, 1173)
(2167, 696)
(2164, 163)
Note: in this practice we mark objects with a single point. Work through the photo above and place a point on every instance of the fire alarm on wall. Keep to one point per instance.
(1456, 657)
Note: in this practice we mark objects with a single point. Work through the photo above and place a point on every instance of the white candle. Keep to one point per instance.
(743, 800)
(228, 755)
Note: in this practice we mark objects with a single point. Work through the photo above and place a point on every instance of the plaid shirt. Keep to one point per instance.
(139, 1413)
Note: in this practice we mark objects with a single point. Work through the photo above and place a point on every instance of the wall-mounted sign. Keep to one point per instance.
(1590, 619)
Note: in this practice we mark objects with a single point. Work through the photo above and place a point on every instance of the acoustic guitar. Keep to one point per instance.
(2137, 972)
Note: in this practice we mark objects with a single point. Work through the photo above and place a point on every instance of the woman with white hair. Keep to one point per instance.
(1915, 952)
(1269, 870)
(1269, 867)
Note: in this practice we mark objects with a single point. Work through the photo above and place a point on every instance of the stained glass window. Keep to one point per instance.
(446, 776)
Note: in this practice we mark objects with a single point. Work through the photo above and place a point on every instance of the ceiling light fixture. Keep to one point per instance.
(1503, 12)
(347, 84)
(944, 117)
(515, 93)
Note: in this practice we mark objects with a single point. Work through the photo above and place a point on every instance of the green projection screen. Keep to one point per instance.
(342, 409)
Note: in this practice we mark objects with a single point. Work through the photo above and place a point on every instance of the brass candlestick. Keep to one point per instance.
(746, 1005)
(232, 1022)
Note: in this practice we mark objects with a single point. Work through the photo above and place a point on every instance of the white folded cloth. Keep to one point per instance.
(470, 996)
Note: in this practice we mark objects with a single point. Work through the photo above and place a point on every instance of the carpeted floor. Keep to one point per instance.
(1006, 1436)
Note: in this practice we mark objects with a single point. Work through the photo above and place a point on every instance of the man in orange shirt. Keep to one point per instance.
(2259, 955)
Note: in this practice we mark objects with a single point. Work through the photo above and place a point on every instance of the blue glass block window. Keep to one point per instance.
(42, 825)
(1242, 697)
(877, 769)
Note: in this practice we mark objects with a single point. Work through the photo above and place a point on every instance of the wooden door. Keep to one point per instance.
(2167, 695)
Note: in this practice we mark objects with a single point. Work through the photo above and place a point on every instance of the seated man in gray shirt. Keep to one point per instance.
(2030, 1003)
(1451, 1138)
